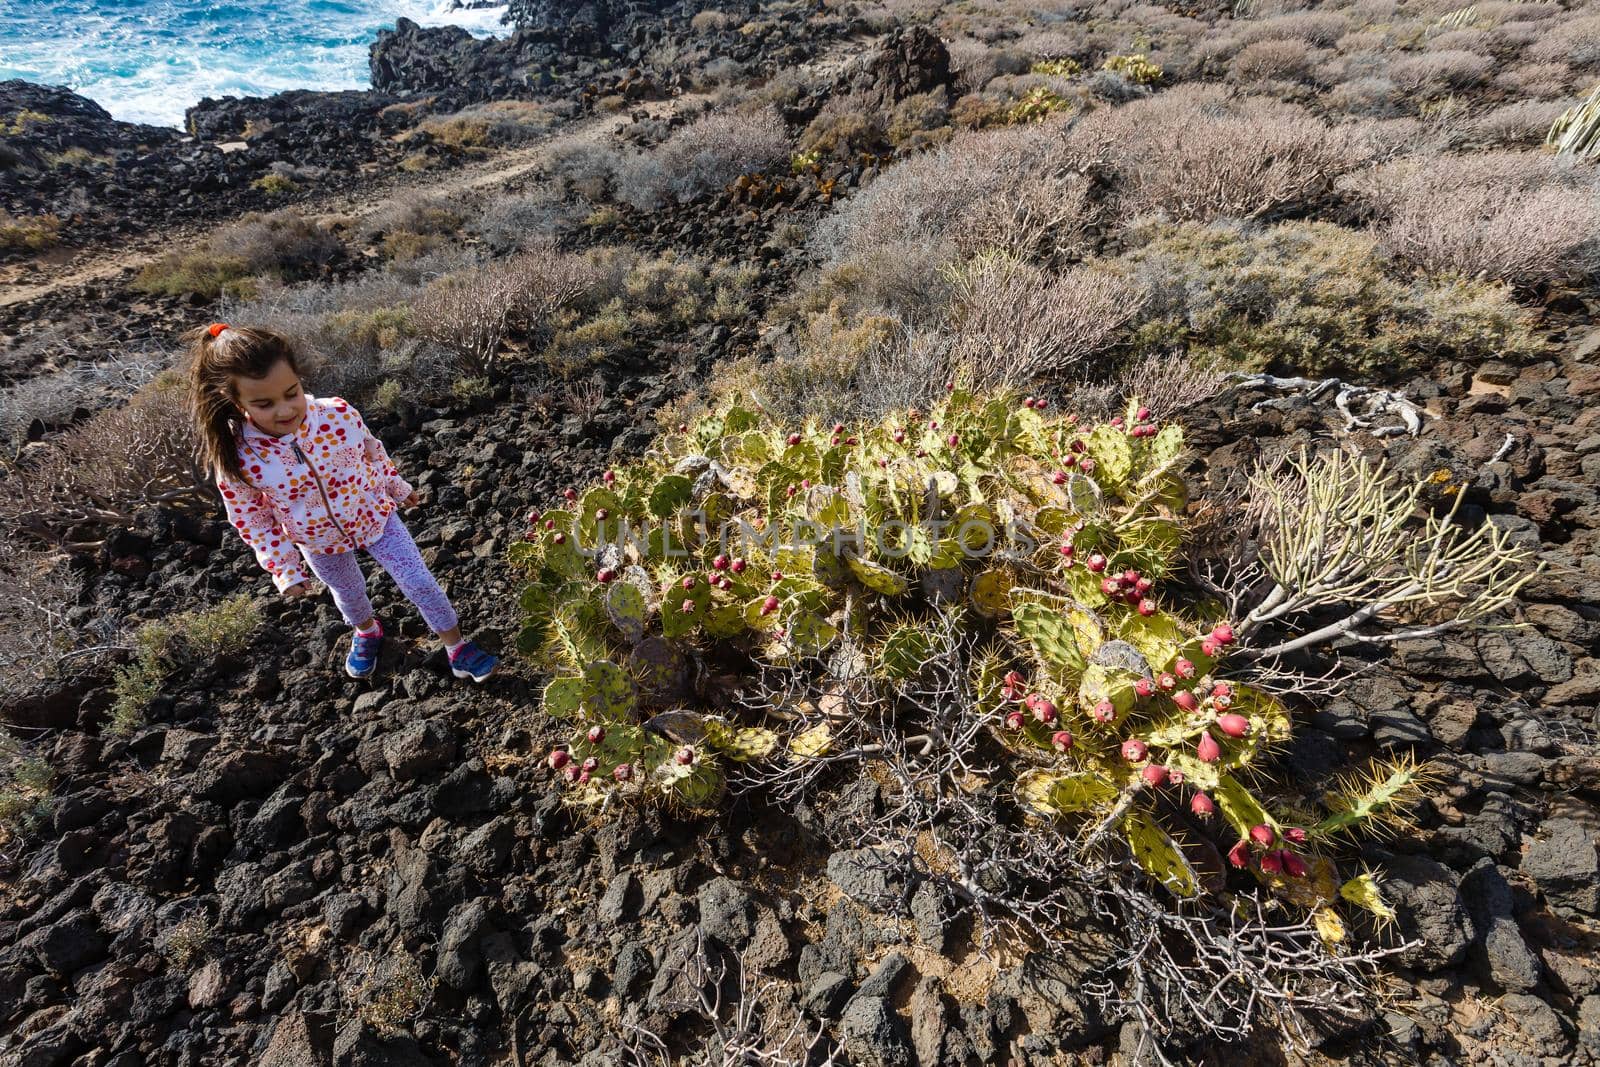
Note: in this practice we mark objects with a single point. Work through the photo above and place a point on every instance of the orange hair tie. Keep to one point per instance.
(218, 327)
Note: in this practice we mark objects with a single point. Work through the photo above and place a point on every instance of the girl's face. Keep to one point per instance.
(275, 403)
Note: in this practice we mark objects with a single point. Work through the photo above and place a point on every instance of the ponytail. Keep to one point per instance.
(217, 354)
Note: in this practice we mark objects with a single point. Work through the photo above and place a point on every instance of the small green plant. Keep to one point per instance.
(1059, 68)
(1136, 68)
(204, 633)
(23, 121)
(389, 996)
(801, 162)
(388, 397)
(1038, 104)
(77, 157)
(188, 943)
(470, 390)
(275, 185)
(25, 790)
(33, 233)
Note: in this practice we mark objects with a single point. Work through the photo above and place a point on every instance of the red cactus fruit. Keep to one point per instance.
(1142, 414)
(534, 516)
(834, 439)
(571, 772)
(1027, 402)
(1066, 553)
(805, 483)
(559, 538)
(1183, 668)
(1110, 586)
(1272, 863)
(604, 575)
(1223, 633)
(1294, 866)
(1233, 725)
(570, 494)
(1209, 647)
(1166, 681)
(1117, 422)
(838, 427)
(1262, 834)
(683, 427)
(1222, 689)
(1040, 404)
(688, 581)
(934, 424)
(1130, 576)
(597, 734)
(769, 605)
(1134, 750)
(1096, 563)
(899, 437)
(1147, 607)
(777, 576)
(1202, 805)
(1143, 586)
(1086, 465)
(688, 607)
(1222, 703)
(794, 439)
(720, 562)
(1144, 687)
(1175, 776)
(1186, 700)
(1015, 720)
(590, 764)
(1105, 711)
(738, 566)
(792, 490)
(608, 477)
(1045, 711)
(1077, 446)
(1059, 478)
(1154, 775)
(602, 514)
(1208, 750)
(549, 524)
(1061, 740)
(622, 772)
(684, 756)
(1239, 855)
(1297, 834)
(558, 758)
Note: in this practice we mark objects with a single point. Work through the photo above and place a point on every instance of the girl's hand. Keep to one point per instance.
(298, 589)
(411, 501)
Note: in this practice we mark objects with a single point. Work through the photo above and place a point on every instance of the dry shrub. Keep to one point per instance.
(1275, 60)
(976, 64)
(1310, 298)
(888, 241)
(283, 245)
(1320, 28)
(1362, 41)
(1521, 124)
(510, 223)
(1046, 218)
(1497, 12)
(844, 126)
(470, 312)
(51, 401)
(709, 22)
(35, 630)
(1013, 324)
(703, 157)
(1372, 97)
(74, 489)
(1520, 217)
(1575, 42)
(417, 213)
(32, 233)
(1194, 152)
(1435, 73)
(1543, 81)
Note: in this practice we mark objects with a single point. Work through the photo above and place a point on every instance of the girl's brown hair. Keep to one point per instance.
(218, 353)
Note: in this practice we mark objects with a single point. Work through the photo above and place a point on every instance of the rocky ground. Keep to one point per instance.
(246, 878)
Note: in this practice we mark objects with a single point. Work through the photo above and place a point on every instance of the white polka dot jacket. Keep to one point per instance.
(328, 487)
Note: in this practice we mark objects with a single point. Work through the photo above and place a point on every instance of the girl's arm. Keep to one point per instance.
(253, 517)
(397, 487)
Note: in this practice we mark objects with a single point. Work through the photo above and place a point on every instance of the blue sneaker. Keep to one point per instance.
(363, 657)
(470, 661)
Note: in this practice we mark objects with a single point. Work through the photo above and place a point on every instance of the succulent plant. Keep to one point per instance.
(1046, 538)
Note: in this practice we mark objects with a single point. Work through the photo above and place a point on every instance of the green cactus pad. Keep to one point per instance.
(564, 558)
(748, 743)
(1102, 683)
(1112, 450)
(991, 593)
(1050, 793)
(671, 492)
(726, 620)
(878, 579)
(1158, 854)
(701, 788)
(524, 554)
(626, 607)
(675, 622)
(564, 697)
(1363, 892)
(610, 690)
(1050, 634)
(1240, 808)
(1158, 637)
(811, 744)
(904, 652)
(809, 634)
(660, 669)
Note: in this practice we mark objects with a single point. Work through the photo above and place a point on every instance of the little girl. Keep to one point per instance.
(299, 470)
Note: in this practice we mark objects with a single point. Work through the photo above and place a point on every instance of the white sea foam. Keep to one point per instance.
(150, 64)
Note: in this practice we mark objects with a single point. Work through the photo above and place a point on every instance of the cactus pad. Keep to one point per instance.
(878, 579)
(1050, 634)
(610, 689)
(626, 607)
(991, 593)
(564, 697)
(660, 669)
(904, 652)
(1158, 854)
(811, 743)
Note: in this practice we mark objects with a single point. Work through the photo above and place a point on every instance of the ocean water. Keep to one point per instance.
(149, 60)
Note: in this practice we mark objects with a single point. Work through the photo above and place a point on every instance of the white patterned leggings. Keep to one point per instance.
(397, 554)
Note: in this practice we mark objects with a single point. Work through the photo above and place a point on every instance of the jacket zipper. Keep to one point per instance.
(301, 456)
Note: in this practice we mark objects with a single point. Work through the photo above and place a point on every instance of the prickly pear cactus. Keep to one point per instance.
(832, 549)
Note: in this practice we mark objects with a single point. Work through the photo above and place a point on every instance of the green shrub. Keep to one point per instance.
(284, 245)
(1015, 562)
(26, 782)
(202, 634)
(275, 185)
(1311, 298)
(33, 233)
